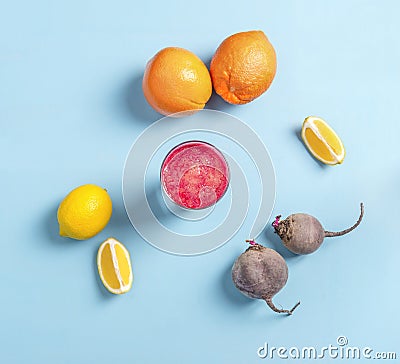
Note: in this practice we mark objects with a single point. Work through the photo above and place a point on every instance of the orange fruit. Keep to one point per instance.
(243, 67)
(176, 80)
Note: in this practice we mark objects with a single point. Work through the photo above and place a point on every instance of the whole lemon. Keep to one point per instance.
(84, 212)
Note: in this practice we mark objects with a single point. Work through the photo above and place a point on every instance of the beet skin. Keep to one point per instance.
(261, 273)
(304, 234)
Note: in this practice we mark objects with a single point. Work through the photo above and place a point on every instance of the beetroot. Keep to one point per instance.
(261, 273)
(304, 234)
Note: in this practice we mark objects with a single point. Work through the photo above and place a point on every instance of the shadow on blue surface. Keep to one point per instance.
(274, 242)
(157, 204)
(51, 229)
(119, 222)
(136, 103)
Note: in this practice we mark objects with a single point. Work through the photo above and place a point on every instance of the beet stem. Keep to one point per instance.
(278, 310)
(275, 224)
(251, 241)
(330, 234)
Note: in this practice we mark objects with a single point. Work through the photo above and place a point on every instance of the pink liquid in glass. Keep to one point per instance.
(195, 175)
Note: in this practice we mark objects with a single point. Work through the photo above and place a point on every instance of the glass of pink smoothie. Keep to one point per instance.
(195, 175)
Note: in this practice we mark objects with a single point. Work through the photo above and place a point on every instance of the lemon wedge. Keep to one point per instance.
(322, 141)
(114, 265)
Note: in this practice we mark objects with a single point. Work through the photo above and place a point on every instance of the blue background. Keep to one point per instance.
(71, 105)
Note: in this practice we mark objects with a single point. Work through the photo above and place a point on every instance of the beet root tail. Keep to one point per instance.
(278, 310)
(330, 234)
